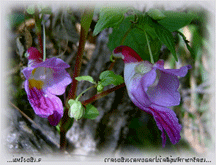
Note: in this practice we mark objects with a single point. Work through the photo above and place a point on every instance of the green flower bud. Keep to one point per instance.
(76, 109)
(100, 87)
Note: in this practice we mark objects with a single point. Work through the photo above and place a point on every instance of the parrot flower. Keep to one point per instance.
(153, 89)
(45, 80)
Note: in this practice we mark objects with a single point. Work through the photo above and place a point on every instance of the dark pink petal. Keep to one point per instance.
(44, 104)
(55, 118)
(129, 54)
(34, 54)
(166, 120)
(166, 92)
(60, 80)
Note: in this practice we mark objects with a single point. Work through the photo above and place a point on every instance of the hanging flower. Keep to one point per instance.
(45, 80)
(153, 89)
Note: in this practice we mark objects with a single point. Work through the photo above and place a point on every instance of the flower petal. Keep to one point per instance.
(55, 118)
(166, 120)
(54, 63)
(27, 72)
(44, 104)
(177, 72)
(165, 93)
(60, 80)
(136, 89)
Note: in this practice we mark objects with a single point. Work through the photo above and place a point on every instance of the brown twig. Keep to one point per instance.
(85, 25)
(102, 94)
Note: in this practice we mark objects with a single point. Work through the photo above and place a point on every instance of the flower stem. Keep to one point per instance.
(38, 29)
(85, 92)
(149, 48)
(85, 25)
(44, 42)
(102, 94)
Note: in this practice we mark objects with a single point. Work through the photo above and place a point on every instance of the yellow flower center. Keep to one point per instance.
(41, 77)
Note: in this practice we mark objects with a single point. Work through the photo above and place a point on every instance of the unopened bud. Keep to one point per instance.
(100, 87)
(76, 109)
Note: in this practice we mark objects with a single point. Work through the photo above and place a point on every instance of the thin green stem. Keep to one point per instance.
(149, 48)
(85, 91)
(44, 42)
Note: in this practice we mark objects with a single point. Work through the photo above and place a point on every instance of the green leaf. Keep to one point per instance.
(135, 37)
(166, 37)
(187, 43)
(156, 14)
(176, 20)
(109, 77)
(86, 78)
(109, 17)
(91, 112)
(68, 124)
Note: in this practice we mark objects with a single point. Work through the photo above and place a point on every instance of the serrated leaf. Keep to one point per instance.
(109, 17)
(166, 37)
(176, 20)
(109, 77)
(86, 78)
(91, 112)
(136, 38)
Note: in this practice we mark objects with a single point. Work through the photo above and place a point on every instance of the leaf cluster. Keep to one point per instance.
(131, 30)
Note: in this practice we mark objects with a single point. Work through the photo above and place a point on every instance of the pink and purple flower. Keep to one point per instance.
(153, 89)
(45, 80)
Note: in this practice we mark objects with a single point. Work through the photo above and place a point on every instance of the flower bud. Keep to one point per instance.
(100, 87)
(76, 109)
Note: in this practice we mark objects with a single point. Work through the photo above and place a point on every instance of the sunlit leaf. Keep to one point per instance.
(86, 78)
(109, 77)
(109, 17)
(91, 112)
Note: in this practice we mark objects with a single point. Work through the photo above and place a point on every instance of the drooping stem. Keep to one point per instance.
(149, 48)
(85, 25)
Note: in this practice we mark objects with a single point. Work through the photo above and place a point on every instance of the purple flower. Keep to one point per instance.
(153, 89)
(45, 80)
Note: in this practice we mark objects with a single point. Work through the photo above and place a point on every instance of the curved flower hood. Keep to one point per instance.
(153, 88)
